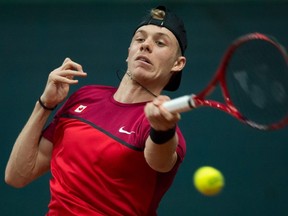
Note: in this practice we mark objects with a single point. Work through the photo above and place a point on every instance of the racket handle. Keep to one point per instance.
(180, 104)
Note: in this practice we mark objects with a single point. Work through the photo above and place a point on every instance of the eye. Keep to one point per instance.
(139, 39)
(160, 43)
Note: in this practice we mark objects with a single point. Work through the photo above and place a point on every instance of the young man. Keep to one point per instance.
(111, 151)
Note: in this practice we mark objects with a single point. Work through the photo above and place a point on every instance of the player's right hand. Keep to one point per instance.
(158, 117)
(59, 81)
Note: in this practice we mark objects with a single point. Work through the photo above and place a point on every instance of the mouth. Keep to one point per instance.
(143, 59)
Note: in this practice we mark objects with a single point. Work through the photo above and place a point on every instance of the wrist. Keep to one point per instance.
(44, 106)
(161, 137)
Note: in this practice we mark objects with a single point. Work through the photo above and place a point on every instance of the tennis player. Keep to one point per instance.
(110, 151)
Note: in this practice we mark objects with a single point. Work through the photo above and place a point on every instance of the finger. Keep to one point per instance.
(170, 116)
(64, 80)
(66, 60)
(65, 75)
(163, 97)
(160, 100)
(69, 73)
(69, 64)
(72, 65)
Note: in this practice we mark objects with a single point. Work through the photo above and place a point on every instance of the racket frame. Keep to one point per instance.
(188, 102)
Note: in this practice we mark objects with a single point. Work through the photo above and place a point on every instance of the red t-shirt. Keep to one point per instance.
(98, 165)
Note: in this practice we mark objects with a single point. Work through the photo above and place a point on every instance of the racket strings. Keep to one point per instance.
(257, 79)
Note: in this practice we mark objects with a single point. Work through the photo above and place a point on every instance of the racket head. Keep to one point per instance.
(253, 76)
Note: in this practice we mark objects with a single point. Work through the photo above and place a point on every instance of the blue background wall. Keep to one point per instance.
(35, 39)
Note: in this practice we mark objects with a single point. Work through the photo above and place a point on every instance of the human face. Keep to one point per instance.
(154, 55)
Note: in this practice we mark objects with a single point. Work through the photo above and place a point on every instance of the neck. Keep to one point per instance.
(143, 87)
(131, 91)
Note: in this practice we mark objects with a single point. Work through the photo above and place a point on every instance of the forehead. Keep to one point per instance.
(156, 30)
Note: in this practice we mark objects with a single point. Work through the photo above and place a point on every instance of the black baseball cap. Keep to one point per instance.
(174, 24)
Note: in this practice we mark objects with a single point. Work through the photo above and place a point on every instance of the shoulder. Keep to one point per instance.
(92, 89)
(86, 95)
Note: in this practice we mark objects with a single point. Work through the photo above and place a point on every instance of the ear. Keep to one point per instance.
(179, 64)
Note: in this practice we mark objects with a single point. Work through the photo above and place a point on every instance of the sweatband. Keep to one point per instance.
(161, 137)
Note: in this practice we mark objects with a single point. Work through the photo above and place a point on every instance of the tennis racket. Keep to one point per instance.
(253, 78)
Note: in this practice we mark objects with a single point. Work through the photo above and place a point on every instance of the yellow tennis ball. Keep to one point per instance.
(208, 180)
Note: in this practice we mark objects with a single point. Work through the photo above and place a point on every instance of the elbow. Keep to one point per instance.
(13, 181)
(163, 166)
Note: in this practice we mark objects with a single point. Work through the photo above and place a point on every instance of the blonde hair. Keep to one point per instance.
(157, 14)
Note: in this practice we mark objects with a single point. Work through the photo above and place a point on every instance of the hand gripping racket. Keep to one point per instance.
(253, 78)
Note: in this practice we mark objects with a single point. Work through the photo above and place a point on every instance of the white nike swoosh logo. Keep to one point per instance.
(121, 130)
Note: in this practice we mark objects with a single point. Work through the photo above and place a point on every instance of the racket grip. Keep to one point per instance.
(180, 104)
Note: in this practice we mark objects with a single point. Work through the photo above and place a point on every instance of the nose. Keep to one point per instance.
(146, 46)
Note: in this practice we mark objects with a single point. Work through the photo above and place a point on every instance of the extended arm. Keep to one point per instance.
(160, 150)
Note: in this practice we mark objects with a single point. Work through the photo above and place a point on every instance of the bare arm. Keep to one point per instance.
(161, 157)
(31, 153)
(29, 157)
